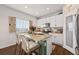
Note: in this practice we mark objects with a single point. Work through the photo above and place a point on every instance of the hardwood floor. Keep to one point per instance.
(57, 51)
(8, 50)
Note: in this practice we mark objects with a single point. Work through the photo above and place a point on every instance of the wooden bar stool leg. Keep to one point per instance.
(15, 49)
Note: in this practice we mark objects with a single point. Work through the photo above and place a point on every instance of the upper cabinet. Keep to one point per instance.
(52, 21)
(40, 22)
(55, 21)
(59, 20)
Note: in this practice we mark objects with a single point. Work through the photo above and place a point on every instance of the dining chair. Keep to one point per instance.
(28, 45)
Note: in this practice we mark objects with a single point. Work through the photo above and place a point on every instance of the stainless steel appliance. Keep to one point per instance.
(47, 28)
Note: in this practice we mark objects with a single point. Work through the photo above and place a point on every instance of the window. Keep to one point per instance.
(22, 25)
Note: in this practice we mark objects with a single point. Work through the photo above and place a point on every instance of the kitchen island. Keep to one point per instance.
(44, 40)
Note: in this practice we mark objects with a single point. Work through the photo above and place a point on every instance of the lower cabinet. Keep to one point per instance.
(49, 46)
(45, 47)
(57, 39)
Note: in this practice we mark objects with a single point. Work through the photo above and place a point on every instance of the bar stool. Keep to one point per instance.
(28, 46)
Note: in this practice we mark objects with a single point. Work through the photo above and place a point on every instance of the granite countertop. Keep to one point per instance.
(39, 37)
(56, 34)
(36, 38)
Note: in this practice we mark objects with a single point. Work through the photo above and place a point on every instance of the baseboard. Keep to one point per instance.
(1, 47)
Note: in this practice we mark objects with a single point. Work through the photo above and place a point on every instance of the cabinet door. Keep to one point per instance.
(55, 39)
(59, 20)
(49, 46)
(52, 39)
(40, 22)
(58, 39)
(61, 40)
(47, 20)
(52, 21)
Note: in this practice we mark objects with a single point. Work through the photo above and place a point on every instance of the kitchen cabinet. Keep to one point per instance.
(46, 46)
(46, 20)
(55, 21)
(57, 39)
(53, 39)
(49, 45)
(40, 22)
(59, 20)
(52, 21)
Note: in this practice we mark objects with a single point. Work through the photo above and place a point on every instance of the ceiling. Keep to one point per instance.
(37, 10)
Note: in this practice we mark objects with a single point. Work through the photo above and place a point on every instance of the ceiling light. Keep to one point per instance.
(48, 8)
(26, 7)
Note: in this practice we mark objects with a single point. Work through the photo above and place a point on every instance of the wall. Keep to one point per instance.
(6, 38)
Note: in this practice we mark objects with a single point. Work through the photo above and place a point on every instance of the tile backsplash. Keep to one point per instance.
(57, 29)
(53, 30)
